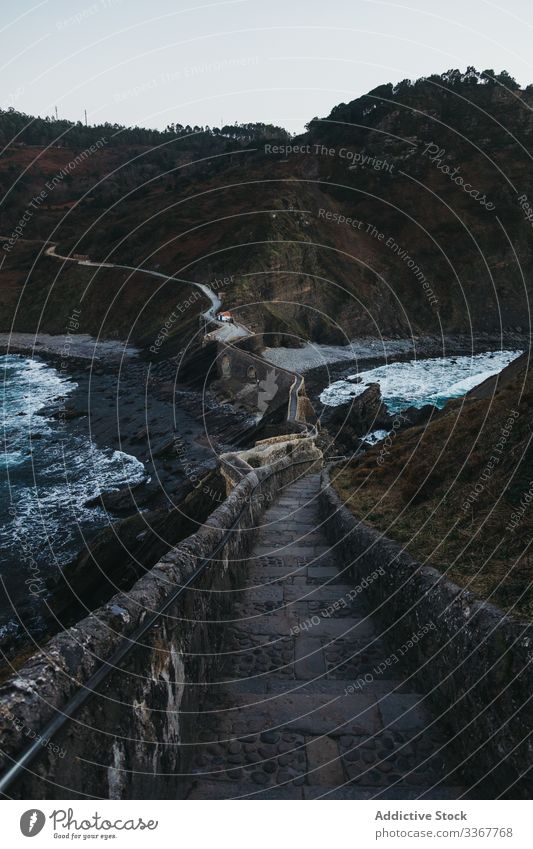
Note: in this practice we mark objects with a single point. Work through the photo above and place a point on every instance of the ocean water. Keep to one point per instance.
(418, 382)
(47, 473)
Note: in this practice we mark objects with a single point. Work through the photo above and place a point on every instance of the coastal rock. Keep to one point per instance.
(63, 413)
(348, 422)
(123, 501)
(414, 416)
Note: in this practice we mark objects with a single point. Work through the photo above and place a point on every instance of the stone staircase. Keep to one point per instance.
(288, 719)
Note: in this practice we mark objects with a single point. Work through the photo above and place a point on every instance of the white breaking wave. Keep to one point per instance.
(375, 436)
(419, 382)
(48, 473)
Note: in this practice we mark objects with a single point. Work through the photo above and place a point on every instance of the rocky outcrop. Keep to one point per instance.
(498, 381)
(350, 421)
(415, 416)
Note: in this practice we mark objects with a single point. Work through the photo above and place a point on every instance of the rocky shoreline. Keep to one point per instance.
(124, 403)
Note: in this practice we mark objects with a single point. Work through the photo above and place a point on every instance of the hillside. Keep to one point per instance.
(458, 491)
(360, 226)
(40, 294)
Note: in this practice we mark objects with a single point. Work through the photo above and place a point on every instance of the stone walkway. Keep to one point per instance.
(286, 720)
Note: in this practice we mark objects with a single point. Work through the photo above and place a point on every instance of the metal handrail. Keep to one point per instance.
(110, 665)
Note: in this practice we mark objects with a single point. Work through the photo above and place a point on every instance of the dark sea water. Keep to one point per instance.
(48, 470)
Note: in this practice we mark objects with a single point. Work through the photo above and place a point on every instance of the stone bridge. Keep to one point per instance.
(284, 650)
(265, 388)
(247, 379)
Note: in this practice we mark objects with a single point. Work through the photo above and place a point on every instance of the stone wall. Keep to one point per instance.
(234, 465)
(475, 665)
(133, 739)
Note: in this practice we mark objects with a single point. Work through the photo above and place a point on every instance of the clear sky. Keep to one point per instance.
(280, 61)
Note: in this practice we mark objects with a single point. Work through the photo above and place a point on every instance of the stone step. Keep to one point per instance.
(276, 538)
(236, 790)
(294, 529)
(300, 502)
(317, 556)
(321, 594)
(305, 482)
(304, 617)
(311, 702)
(271, 625)
(303, 516)
(269, 594)
(331, 630)
(305, 713)
(309, 661)
(331, 687)
(295, 549)
(300, 495)
(306, 511)
(381, 760)
(293, 523)
(275, 625)
(324, 764)
(404, 712)
(275, 575)
(321, 573)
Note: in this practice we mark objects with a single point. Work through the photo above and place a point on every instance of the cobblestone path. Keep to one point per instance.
(285, 721)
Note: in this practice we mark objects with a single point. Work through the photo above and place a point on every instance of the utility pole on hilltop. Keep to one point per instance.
(85, 116)
(56, 113)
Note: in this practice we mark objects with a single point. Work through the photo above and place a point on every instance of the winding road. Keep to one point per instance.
(226, 332)
(209, 315)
